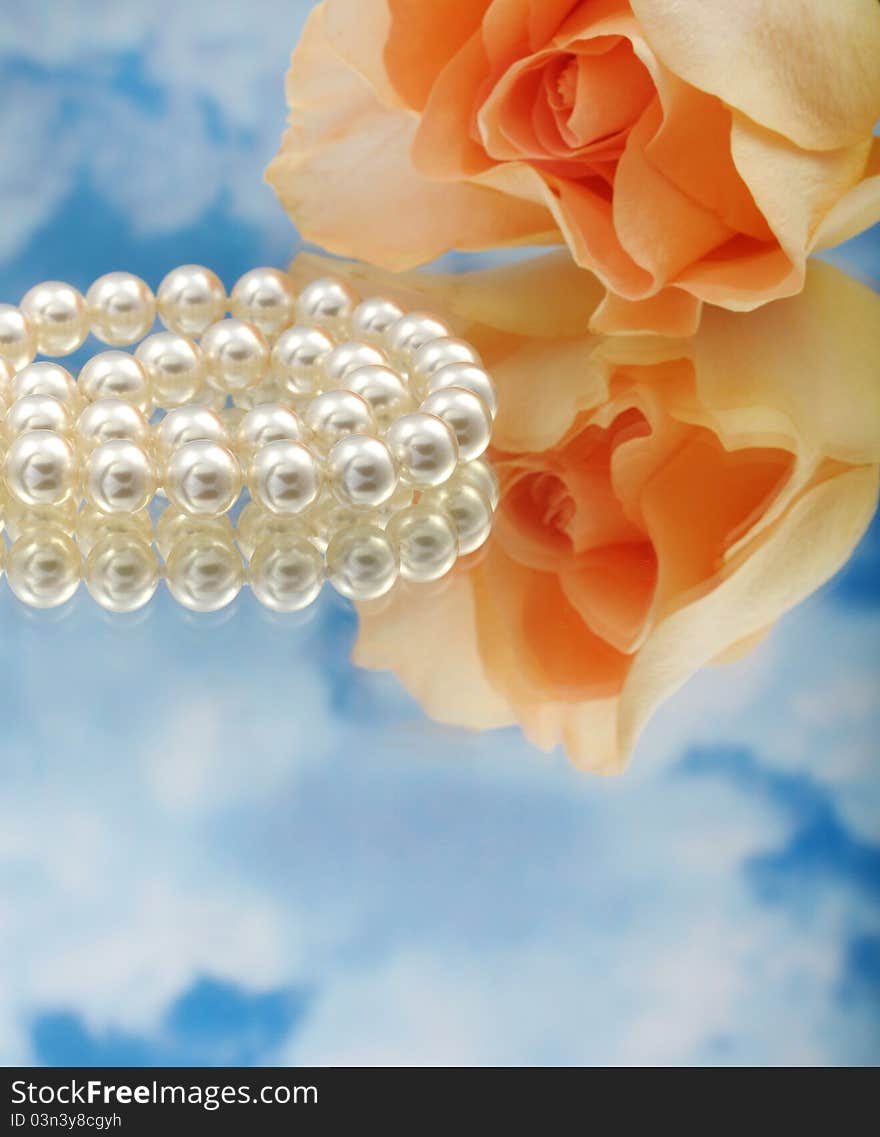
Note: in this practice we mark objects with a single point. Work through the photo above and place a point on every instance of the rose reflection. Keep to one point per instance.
(663, 502)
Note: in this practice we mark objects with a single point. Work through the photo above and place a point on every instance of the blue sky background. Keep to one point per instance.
(221, 843)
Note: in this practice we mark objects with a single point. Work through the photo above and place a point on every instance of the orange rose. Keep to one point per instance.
(686, 151)
(663, 502)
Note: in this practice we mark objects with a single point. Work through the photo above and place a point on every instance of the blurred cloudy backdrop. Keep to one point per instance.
(221, 843)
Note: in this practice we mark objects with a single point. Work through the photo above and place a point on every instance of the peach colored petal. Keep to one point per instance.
(422, 39)
(669, 312)
(339, 129)
(807, 546)
(856, 211)
(806, 70)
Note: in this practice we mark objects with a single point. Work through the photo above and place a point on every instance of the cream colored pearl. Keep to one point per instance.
(43, 568)
(45, 378)
(362, 562)
(175, 368)
(121, 572)
(236, 356)
(203, 478)
(106, 419)
(204, 573)
(424, 447)
(116, 375)
(435, 354)
(266, 392)
(334, 414)
(38, 412)
(92, 526)
(174, 526)
(21, 519)
(120, 477)
(427, 542)
(41, 468)
(269, 422)
(328, 516)
(256, 524)
(469, 509)
(361, 471)
(265, 298)
(373, 317)
(188, 424)
(191, 298)
(284, 477)
(402, 498)
(286, 574)
(122, 308)
(18, 341)
(468, 416)
(346, 357)
(57, 312)
(328, 302)
(297, 359)
(406, 335)
(482, 476)
(7, 374)
(469, 376)
(383, 389)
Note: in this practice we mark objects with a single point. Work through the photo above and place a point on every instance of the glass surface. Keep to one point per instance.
(222, 842)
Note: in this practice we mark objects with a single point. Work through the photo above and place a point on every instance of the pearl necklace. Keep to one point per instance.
(355, 429)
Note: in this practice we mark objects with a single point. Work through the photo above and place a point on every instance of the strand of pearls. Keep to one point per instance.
(344, 435)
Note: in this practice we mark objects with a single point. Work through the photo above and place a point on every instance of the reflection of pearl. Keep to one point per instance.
(362, 562)
(43, 568)
(121, 572)
(468, 416)
(470, 510)
(424, 447)
(204, 573)
(286, 574)
(427, 542)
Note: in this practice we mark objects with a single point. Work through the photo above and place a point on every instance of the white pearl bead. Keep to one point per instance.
(21, 518)
(427, 542)
(482, 476)
(361, 471)
(286, 574)
(334, 414)
(121, 572)
(43, 568)
(191, 298)
(45, 378)
(284, 477)
(468, 416)
(297, 358)
(120, 477)
(41, 468)
(435, 354)
(38, 412)
(58, 315)
(373, 317)
(269, 422)
(407, 334)
(383, 389)
(328, 302)
(7, 374)
(107, 419)
(362, 562)
(256, 524)
(175, 368)
(116, 375)
(424, 447)
(470, 510)
(121, 307)
(346, 357)
(202, 478)
(328, 516)
(204, 573)
(469, 376)
(174, 526)
(236, 355)
(93, 526)
(18, 341)
(189, 424)
(265, 298)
